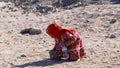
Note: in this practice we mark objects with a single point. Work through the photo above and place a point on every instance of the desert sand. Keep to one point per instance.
(98, 25)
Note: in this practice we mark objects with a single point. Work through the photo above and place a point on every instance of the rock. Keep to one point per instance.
(98, 45)
(10, 30)
(118, 50)
(31, 31)
(24, 31)
(44, 9)
(109, 67)
(3, 7)
(34, 1)
(10, 65)
(68, 2)
(24, 12)
(112, 21)
(34, 31)
(112, 36)
(106, 36)
(23, 55)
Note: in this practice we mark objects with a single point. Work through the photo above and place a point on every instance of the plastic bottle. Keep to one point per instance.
(65, 53)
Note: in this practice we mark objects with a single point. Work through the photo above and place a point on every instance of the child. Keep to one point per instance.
(68, 44)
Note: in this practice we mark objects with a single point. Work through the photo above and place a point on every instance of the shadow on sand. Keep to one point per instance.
(43, 63)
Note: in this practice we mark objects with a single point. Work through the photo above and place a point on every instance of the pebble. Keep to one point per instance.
(118, 51)
(112, 21)
(109, 67)
(10, 30)
(112, 36)
(23, 55)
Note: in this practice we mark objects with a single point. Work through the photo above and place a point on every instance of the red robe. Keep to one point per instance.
(73, 44)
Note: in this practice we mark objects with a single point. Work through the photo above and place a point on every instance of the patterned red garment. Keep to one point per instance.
(67, 38)
(73, 44)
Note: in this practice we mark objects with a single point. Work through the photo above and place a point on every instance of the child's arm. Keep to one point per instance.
(68, 39)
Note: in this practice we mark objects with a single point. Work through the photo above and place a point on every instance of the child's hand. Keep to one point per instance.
(70, 42)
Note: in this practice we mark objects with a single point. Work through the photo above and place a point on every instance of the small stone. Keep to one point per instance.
(24, 12)
(31, 31)
(14, 10)
(109, 67)
(23, 55)
(10, 31)
(112, 36)
(86, 21)
(11, 64)
(3, 7)
(34, 31)
(34, 1)
(106, 36)
(118, 51)
(112, 21)
(98, 45)
(24, 31)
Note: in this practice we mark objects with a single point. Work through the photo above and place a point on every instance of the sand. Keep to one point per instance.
(98, 25)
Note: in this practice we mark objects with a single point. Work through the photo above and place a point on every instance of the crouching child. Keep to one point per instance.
(68, 44)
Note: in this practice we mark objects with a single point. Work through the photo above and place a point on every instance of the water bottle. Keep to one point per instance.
(65, 53)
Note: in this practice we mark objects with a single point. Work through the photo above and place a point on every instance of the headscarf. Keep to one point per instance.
(55, 30)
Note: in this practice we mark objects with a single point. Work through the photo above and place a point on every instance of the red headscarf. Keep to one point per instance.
(55, 30)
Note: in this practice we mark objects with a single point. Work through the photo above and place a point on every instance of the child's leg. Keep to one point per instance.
(82, 52)
(73, 55)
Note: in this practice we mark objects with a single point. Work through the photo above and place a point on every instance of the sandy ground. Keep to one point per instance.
(99, 27)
